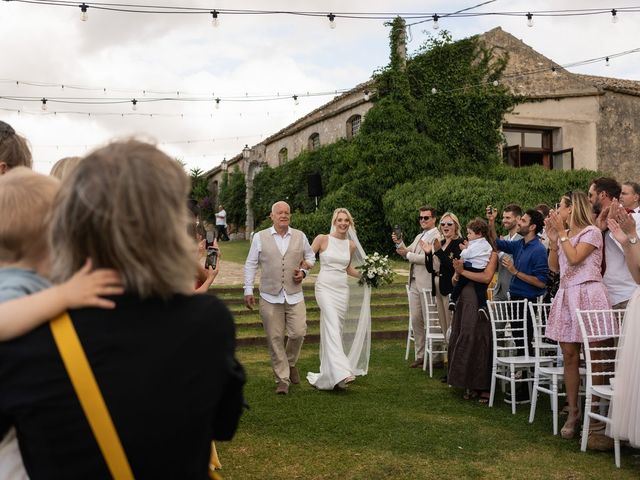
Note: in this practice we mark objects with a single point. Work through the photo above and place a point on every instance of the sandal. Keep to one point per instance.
(484, 398)
(469, 395)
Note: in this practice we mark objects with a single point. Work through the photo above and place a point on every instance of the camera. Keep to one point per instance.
(212, 258)
(398, 232)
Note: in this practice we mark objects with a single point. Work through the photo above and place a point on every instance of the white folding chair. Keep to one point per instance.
(508, 356)
(596, 326)
(434, 336)
(548, 371)
(410, 337)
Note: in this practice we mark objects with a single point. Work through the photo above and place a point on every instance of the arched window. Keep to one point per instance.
(314, 141)
(353, 125)
(283, 156)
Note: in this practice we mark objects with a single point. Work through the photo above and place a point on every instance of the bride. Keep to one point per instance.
(345, 314)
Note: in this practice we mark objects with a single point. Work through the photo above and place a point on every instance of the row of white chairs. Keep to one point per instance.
(513, 361)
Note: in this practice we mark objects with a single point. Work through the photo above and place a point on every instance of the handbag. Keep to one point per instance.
(93, 405)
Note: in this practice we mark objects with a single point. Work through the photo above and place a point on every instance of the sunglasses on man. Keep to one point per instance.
(426, 217)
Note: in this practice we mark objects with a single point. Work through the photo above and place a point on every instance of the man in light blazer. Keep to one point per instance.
(418, 276)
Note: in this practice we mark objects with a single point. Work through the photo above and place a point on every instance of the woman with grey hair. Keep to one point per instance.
(163, 358)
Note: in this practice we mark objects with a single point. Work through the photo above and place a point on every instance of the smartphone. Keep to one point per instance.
(398, 232)
(212, 258)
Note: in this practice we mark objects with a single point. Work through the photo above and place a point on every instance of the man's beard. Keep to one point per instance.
(597, 208)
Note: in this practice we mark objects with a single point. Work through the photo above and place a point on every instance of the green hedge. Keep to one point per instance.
(468, 197)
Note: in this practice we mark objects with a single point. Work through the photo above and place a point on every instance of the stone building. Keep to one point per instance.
(567, 121)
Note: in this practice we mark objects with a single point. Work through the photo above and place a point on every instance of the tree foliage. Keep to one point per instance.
(233, 194)
(414, 147)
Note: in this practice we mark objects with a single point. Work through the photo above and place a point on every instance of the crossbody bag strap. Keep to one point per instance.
(91, 400)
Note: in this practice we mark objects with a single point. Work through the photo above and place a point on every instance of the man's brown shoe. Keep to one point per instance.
(418, 363)
(294, 375)
(600, 442)
(282, 388)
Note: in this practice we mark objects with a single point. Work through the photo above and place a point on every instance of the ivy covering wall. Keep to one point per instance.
(417, 146)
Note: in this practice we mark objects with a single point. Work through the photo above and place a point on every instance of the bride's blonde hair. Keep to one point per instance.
(340, 210)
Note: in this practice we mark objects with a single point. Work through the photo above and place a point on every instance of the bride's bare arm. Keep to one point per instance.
(351, 271)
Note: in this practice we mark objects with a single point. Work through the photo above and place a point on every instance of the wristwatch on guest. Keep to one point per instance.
(564, 239)
(633, 240)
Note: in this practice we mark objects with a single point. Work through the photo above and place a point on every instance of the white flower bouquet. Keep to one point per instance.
(376, 271)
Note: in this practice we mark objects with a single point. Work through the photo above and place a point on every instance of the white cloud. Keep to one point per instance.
(246, 54)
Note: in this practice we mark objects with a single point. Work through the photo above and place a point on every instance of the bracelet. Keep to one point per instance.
(516, 274)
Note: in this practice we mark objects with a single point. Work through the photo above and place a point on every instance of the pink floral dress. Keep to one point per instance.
(580, 287)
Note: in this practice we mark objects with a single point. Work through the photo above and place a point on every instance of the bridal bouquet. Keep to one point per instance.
(376, 271)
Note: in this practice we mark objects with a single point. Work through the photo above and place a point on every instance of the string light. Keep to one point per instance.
(606, 62)
(214, 20)
(44, 104)
(134, 104)
(217, 104)
(614, 15)
(332, 21)
(554, 72)
(435, 17)
(366, 95)
(83, 12)
(295, 100)
(496, 83)
(529, 20)
(434, 90)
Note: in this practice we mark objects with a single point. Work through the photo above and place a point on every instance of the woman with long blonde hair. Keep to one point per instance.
(345, 314)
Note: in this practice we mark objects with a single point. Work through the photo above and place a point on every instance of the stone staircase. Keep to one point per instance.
(389, 314)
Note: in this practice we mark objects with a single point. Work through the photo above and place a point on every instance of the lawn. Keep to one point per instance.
(236, 251)
(396, 423)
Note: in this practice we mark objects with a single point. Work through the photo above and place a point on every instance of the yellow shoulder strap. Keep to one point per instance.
(86, 387)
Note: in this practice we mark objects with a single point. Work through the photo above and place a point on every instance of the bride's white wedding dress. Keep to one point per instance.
(345, 319)
(625, 408)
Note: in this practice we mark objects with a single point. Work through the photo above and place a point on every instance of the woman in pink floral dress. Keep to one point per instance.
(577, 253)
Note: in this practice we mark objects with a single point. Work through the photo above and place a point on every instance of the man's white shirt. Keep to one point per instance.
(251, 265)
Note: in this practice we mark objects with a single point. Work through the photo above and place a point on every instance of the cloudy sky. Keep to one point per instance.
(122, 56)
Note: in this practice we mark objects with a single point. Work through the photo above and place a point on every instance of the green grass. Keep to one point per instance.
(396, 423)
(234, 251)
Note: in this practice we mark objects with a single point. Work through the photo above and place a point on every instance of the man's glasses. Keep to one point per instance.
(427, 217)
(447, 224)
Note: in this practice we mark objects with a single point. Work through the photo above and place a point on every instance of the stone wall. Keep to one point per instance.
(330, 122)
(574, 122)
(618, 135)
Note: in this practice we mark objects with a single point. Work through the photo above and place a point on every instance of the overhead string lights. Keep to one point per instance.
(214, 19)
(44, 104)
(529, 19)
(417, 17)
(83, 12)
(436, 25)
(295, 100)
(332, 21)
(134, 104)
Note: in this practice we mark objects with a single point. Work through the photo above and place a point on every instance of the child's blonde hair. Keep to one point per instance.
(26, 198)
(63, 167)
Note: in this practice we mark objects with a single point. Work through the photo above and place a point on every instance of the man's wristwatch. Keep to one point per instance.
(564, 239)
(633, 240)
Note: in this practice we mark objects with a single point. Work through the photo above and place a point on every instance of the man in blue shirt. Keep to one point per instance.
(529, 266)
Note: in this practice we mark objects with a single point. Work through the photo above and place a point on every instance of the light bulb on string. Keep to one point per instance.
(84, 16)
(436, 25)
(554, 71)
(134, 104)
(295, 100)
(495, 83)
(44, 104)
(332, 21)
(366, 95)
(606, 62)
(614, 15)
(217, 104)
(434, 90)
(529, 20)
(214, 20)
